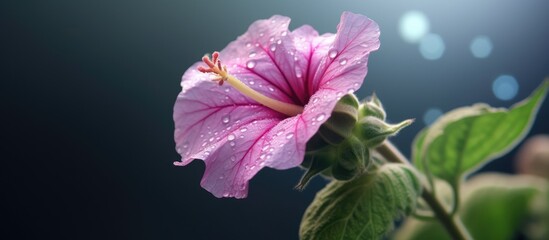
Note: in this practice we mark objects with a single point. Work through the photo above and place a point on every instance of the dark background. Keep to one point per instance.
(88, 87)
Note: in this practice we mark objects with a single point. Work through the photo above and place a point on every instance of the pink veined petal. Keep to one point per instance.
(263, 58)
(344, 67)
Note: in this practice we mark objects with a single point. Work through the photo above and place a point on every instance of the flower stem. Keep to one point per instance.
(453, 225)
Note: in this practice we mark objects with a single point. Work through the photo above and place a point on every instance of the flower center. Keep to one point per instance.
(215, 67)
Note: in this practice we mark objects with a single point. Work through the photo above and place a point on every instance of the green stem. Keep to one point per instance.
(453, 225)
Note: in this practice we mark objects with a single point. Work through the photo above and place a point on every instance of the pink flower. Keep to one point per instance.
(280, 86)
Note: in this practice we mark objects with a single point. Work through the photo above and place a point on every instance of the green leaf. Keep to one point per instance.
(363, 208)
(466, 138)
(495, 207)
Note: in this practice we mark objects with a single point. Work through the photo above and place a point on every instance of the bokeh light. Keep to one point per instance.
(431, 115)
(481, 46)
(413, 26)
(432, 46)
(505, 87)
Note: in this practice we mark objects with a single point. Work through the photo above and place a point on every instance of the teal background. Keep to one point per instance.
(87, 92)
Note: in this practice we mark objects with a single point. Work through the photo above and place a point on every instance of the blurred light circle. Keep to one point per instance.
(505, 87)
(413, 26)
(431, 115)
(432, 46)
(481, 47)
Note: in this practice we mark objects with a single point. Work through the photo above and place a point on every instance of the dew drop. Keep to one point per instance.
(225, 119)
(342, 61)
(315, 99)
(298, 72)
(179, 150)
(279, 133)
(350, 90)
(272, 47)
(207, 153)
(284, 33)
(252, 54)
(243, 129)
(279, 41)
(233, 158)
(227, 89)
(211, 139)
(251, 82)
(248, 44)
(289, 135)
(320, 117)
(271, 89)
(332, 53)
(231, 137)
(250, 64)
(232, 144)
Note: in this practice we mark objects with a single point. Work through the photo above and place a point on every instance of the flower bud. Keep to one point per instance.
(339, 126)
(372, 108)
(374, 131)
(353, 159)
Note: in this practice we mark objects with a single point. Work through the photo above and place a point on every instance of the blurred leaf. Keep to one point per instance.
(466, 138)
(495, 207)
(363, 208)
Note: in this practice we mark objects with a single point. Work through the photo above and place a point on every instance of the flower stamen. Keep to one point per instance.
(215, 67)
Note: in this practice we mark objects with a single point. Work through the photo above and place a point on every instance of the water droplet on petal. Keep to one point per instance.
(250, 64)
(320, 117)
(233, 158)
(284, 33)
(350, 90)
(315, 99)
(272, 47)
(252, 82)
(332, 53)
(207, 153)
(231, 137)
(243, 129)
(179, 150)
(342, 61)
(279, 41)
(252, 54)
(248, 44)
(271, 89)
(232, 144)
(289, 135)
(298, 72)
(225, 119)
(211, 139)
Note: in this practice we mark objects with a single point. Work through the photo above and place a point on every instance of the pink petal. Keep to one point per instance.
(344, 66)
(264, 56)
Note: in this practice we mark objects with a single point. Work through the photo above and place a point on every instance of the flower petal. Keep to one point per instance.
(263, 58)
(344, 66)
